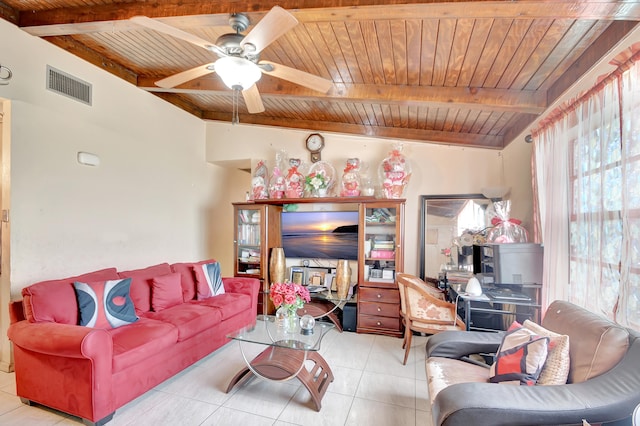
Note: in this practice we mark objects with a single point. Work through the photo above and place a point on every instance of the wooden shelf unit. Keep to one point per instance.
(380, 252)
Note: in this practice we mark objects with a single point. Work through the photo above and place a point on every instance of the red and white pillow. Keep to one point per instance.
(520, 357)
(208, 280)
(105, 304)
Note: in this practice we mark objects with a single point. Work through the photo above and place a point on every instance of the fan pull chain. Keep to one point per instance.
(235, 119)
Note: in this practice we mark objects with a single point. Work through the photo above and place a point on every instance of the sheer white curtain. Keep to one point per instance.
(628, 311)
(586, 166)
(551, 172)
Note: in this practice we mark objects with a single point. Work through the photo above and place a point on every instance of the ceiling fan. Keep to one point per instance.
(239, 65)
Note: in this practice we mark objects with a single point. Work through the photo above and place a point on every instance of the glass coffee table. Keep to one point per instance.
(286, 356)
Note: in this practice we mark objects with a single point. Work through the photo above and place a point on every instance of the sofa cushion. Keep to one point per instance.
(55, 300)
(520, 358)
(166, 291)
(105, 304)
(138, 341)
(141, 284)
(443, 372)
(208, 280)
(187, 273)
(556, 369)
(597, 344)
(190, 319)
(229, 304)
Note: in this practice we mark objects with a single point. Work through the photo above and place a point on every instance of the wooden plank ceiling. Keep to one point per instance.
(473, 73)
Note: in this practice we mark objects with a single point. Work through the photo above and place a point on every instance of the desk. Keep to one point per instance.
(492, 307)
(285, 356)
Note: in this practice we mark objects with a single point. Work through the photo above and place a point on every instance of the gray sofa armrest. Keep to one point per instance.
(459, 344)
(609, 397)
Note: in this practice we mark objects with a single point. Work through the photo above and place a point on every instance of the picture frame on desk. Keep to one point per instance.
(296, 275)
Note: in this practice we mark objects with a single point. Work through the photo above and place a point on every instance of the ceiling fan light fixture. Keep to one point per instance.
(235, 71)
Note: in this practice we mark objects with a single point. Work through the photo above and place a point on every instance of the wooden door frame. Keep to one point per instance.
(6, 354)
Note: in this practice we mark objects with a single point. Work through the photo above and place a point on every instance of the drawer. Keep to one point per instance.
(385, 295)
(369, 321)
(379, 309)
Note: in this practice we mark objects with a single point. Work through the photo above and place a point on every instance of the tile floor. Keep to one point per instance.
(371, 387)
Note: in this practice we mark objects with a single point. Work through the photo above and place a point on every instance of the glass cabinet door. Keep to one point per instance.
(381, 244)
(248, 241)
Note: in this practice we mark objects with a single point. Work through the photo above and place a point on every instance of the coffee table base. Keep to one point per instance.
(277, 363)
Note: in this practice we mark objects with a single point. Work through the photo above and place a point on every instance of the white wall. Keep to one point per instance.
(437, 169)
(148, 202)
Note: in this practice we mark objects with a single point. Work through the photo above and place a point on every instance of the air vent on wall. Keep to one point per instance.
(68, 85)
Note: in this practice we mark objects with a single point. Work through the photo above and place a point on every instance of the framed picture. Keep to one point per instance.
(296, 275)
(330, 281)
(315, 276)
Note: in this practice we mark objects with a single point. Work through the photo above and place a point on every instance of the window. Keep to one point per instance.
(604, 205)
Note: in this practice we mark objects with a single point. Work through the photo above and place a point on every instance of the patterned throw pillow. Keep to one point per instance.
(556, 369)
(208, 280)
(105, 304)
(520, 358)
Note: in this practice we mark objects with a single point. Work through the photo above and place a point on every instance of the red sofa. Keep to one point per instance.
(90, 372)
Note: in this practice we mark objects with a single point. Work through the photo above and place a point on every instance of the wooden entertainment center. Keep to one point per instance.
(380, 253)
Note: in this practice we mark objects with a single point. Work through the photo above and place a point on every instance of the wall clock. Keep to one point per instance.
(315, 143)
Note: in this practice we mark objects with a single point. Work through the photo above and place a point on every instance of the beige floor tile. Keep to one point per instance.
(224, 416)
(387, 388)
(374, 413)
(301, 410)
(261, 397)
(346, 381)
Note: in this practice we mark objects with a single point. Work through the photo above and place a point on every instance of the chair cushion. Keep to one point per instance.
(229, 304)
(166, 291)
(105, 304)
(189, 318)
(597, 344)
(185, 269)
(141, 284)
(55, 300)
(138, 341)
(443, 372)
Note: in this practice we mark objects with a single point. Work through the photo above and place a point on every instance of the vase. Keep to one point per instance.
(343, 279)
(287, 319)
(322, 192)
(277, 265)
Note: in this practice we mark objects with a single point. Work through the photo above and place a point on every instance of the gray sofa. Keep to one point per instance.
(603, 384)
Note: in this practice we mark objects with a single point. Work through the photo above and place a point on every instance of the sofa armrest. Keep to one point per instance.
(459, 344)
(609, 397)
(250, 286)
(71, 341)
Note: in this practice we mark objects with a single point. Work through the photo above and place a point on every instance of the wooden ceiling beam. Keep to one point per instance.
(430, 136)
(69, 44)
(606, 43)
(522, 101)
(185, 14)
(9, 13)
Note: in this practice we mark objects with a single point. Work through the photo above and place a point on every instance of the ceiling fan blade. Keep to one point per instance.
(275, 23)
(252, 100)
(293, 75)
(184, 76)
(156, 25)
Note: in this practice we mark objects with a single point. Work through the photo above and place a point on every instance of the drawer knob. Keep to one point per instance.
(379, 309)
(379, 323)
(379, 295)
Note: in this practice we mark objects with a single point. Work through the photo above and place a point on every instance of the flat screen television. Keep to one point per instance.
(320, 234)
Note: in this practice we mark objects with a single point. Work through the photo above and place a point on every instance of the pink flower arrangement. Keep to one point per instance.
(289, 295)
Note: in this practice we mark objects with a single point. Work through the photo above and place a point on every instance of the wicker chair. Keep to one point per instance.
(424, 310)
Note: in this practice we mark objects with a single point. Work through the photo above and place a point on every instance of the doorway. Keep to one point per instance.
(6, 355)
